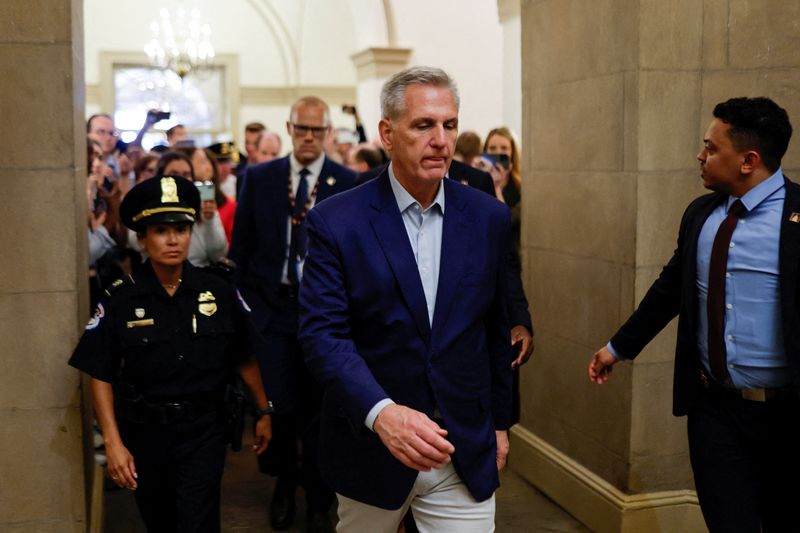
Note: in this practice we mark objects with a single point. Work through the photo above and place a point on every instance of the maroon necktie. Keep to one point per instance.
(717, 355)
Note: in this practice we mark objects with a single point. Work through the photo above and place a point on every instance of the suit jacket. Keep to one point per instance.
(259, 241)
(674, 293)
(366, 335)
(518, 313)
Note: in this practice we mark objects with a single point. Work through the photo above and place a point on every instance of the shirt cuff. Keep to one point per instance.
(614, 352)
(375, 411)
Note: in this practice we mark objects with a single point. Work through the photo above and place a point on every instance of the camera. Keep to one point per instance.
(497, 159)
(160, 115)
(206, 190)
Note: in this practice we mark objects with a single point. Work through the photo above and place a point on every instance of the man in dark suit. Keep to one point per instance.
(269, 245)
(733, 283)
(404, 321)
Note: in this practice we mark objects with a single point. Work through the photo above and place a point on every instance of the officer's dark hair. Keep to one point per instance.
(169, 157)
(757, 124)
(89, 122)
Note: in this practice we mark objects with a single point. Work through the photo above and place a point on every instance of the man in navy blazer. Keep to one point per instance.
(268, 246)
(732, 282)
(404, 321)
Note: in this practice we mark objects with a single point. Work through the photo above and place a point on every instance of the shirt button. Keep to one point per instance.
(730, 337)
(424, 269)
(731, 365)
(727, 274)
(421, 233)
(729, 306)
(180, 358)
(733, 244)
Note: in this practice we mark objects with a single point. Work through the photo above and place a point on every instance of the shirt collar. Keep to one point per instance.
(753, 198)
(404, 198)
(315, 166)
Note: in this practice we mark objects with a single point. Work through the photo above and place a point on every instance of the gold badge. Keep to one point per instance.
(794, 217)
(207, 296)
(139, 312)
(331, 181)
(169, 191)
(206, 303)
(207, 309)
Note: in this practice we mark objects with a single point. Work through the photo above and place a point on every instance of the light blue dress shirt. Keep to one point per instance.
(753, 327)
(424, 229)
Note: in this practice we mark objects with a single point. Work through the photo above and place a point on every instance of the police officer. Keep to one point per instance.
(160, 350)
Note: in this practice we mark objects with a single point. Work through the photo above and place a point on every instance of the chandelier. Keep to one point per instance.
(180, 43)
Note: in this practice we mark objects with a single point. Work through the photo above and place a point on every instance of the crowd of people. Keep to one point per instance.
(251, 216)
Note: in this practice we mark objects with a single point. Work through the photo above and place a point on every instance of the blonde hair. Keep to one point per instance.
(516, 165)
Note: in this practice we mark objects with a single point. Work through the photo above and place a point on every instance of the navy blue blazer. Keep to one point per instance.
(366, 335)
(674, 293)
(259, 241)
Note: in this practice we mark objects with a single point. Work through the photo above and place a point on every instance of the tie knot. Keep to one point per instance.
(737, 208)
(304, 172)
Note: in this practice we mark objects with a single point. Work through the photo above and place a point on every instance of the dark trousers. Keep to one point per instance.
(297, 398)
(746, 462)
(179, 469)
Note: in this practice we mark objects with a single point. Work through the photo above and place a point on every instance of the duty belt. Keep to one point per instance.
(140, 409)
(753, 395)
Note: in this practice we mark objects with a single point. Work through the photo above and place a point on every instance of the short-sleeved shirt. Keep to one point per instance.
(168, 346)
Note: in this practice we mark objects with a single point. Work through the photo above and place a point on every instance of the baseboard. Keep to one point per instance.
(594, 501)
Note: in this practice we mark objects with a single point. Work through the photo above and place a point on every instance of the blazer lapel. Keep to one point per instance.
(789, 255)
(455, 250)
(388, 226)
(690, 261)
(326, 183)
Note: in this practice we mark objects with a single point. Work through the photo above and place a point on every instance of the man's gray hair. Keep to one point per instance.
(393, 93)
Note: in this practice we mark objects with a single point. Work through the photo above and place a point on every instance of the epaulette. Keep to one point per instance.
(121, 282)
(223, 268)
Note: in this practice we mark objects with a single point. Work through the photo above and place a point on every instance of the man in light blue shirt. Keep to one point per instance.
(733, 283)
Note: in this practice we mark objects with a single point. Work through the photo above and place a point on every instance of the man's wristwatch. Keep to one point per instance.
(268, 411)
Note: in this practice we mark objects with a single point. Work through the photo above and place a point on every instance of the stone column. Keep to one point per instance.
(373, 67)
(43, 265)
(616, 97)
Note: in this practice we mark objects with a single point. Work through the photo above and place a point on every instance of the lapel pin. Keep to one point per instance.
(794, 217)
(331, 181)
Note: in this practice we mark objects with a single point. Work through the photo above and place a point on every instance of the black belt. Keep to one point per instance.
(287, 291)
(753, 395)
(168, 410)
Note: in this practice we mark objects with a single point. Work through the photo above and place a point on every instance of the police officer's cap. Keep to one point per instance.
(158, 201)
(225, 151)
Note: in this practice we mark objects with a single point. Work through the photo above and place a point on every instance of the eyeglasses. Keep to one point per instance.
(109, 133)
(301, 131)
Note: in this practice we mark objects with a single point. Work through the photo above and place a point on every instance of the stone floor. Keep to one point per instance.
(245, 493)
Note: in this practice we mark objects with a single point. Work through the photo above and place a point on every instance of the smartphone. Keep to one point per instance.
(498, 159)
(206, 189)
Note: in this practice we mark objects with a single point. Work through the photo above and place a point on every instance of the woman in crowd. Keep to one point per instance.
(101, 244)
(206, 170)
(145, 167)
(209, 243)
(160, 350)
(507, 181)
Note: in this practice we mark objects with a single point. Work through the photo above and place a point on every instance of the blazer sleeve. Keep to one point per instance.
(243, 228)
(329, 350)
(518, 313)
(660, 305)
(498, 335)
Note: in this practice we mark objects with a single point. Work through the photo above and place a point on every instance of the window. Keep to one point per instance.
(196, 101)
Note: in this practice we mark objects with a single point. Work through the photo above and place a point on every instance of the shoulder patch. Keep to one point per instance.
(241, 300)
(99, 313)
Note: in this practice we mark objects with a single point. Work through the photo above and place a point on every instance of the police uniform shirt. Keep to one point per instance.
(168, 346)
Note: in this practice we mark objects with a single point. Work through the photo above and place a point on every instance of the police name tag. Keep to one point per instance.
(140, 323)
